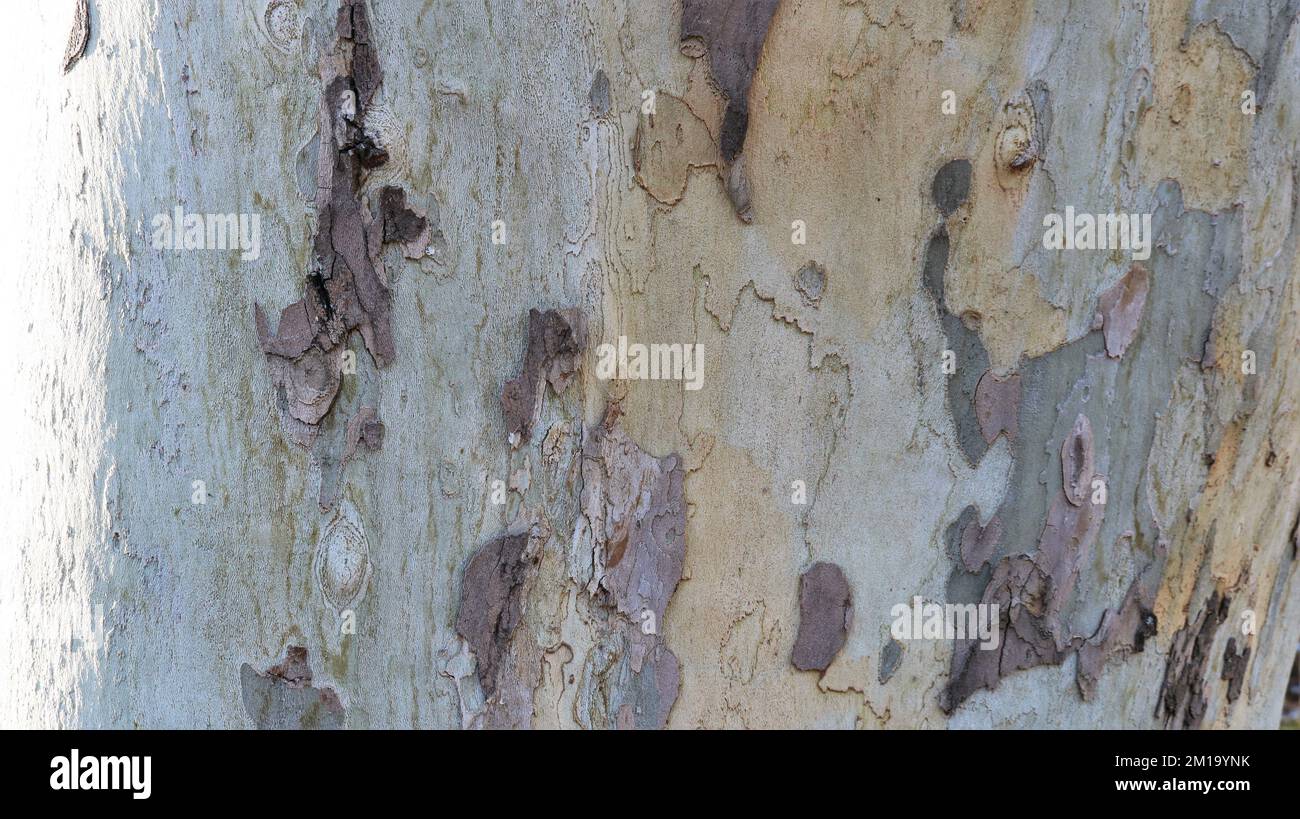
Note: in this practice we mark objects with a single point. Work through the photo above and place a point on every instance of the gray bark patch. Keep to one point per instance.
(951, 185)
(283, 697)
(598, 97)
(972, 357)
(810, 281)
(891, 656)
(733, 32)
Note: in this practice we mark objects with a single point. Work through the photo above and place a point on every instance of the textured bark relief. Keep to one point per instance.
(348, 288)
(283, 697)
(78, 37)
(634, 507)
(1021, 136)
(825, 615)
(1234, 668)
(1182, 699)
(916, 422)
(1032, 591)
(556, 340)
(364, 430)
(811, 282)
(1122, 632)
(492, 594)
(342, 562)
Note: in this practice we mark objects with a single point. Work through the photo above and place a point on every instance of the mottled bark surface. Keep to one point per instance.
(448, 519)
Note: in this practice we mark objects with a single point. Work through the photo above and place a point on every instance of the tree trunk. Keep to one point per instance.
(383, 470)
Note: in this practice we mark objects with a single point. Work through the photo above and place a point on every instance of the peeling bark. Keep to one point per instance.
(283, 697)
(78, 37)
(556, 341)
(1101, 444)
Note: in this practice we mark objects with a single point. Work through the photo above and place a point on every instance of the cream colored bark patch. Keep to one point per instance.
(1195, 130)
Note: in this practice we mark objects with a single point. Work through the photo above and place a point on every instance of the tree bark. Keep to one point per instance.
(423, 506)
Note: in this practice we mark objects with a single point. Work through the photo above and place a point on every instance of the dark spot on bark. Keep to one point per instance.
(369, 154)
(283, 697)
(825, 614)
(556, 340)
(951, 185)
(78, 37)
(1077, 462)
(598, 97)
(935, 267)
(1147, 626)
(733, 32)
(891, 655)
(1234, 668)
(972, 357)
